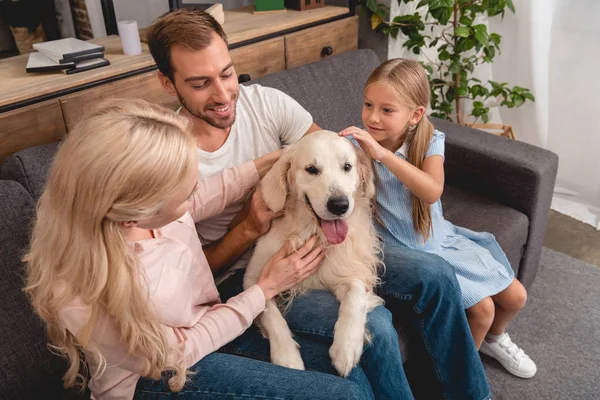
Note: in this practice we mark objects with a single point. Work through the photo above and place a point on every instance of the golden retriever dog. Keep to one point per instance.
(325, 186)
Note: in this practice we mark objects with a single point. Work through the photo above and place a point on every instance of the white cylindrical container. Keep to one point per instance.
(130, 37)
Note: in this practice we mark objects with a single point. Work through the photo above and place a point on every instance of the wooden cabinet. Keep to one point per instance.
(145, 86)
(316, 43)
(30, 126)
(260, 59)
(40, 108)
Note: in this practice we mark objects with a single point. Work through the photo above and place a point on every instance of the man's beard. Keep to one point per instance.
(217, 123)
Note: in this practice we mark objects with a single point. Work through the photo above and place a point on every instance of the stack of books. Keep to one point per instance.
(69, 55)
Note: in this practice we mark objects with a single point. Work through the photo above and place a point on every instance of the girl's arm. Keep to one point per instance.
(217, 192)
(427, 184)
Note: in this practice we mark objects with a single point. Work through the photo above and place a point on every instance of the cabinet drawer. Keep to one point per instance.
(145, 86)
(313, 44)
(260, 59)
(30, 126)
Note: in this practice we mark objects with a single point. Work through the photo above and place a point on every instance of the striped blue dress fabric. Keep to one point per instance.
(482, 268)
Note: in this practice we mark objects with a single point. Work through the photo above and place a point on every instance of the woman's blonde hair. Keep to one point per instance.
(409, 80)
(122, 162)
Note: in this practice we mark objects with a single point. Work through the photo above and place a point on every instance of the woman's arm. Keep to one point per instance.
(232, 184)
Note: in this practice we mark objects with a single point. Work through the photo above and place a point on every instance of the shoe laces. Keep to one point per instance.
(511, 348)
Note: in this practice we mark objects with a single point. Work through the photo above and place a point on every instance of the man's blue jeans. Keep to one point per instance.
(221, 376)
(423, 288)
(312, 318)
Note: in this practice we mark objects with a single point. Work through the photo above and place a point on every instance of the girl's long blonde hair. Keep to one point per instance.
(122, 162)
(409, 80)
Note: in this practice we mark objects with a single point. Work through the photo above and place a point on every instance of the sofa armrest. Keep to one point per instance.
(509, 172)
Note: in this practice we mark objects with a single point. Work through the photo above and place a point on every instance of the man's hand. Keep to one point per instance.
(258, 216)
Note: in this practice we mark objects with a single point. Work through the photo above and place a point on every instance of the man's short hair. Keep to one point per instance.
(187, 27)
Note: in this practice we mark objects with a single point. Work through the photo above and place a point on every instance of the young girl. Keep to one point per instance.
(409, 157)
(117, 272)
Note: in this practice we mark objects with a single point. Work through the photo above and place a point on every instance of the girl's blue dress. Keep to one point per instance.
(482, 268)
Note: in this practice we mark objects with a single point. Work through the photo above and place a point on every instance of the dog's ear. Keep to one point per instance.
(365, 173)
(275, 182)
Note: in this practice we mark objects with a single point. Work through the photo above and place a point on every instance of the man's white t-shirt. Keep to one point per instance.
(266, 119)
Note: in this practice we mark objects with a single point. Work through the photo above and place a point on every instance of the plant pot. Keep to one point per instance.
(496, 129)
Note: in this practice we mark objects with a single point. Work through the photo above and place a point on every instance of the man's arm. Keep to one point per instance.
(225, 251)
(313, 128)
(253, 221)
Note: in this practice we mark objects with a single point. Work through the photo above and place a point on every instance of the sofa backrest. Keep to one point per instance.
(331, 89)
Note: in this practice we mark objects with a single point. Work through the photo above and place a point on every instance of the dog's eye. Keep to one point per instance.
(311, 169)
(347, 167)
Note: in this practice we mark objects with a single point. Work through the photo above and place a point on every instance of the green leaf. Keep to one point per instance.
(496, 85)
(510, 6)
(428, 68)
(481, 34)
(477, 104)
(439, 115)
(462, 91)
(518, 100)
(529, 96)
(440, 3)
(485, 117)
(494, 37)
(462, 31)
(455, 67)
(442, 14)
(489, 52)
(446, 107)
(372, 5)
(416, 50)
(464, 44)
(465, 20)
(444, 55)
(422, 3)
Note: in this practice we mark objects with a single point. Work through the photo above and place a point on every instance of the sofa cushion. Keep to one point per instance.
(478, 213)
(29, 369)
(30, 167)
(330, 89)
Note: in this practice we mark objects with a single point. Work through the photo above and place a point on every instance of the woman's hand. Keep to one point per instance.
(366, 141)
(283, 270)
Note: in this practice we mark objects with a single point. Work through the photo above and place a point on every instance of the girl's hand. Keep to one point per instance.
(366, 141)
(283, 270)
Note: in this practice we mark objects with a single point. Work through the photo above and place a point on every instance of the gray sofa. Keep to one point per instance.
(492, 184)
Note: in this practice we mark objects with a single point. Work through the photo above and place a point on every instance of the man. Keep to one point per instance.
(233, 124)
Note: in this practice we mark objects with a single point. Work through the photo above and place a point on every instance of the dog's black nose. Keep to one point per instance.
(338, 205)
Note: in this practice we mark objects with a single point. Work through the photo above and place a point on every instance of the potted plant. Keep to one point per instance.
(450, 30)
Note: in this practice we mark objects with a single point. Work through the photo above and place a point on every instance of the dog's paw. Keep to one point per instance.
(287, 355)
(346, 351)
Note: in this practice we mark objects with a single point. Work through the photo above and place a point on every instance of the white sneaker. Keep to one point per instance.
(510, 356)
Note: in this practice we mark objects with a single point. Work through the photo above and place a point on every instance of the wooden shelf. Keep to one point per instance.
(18, 87)
(242, 24)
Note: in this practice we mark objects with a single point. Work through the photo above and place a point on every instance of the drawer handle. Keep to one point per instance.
(244, 78)
(326, 51)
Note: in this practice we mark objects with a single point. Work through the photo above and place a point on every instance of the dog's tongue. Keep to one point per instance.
(335, 231)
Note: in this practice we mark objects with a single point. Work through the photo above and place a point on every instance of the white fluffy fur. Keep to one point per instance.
(349, 269)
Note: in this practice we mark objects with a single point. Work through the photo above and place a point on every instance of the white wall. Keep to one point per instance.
(551, 46)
